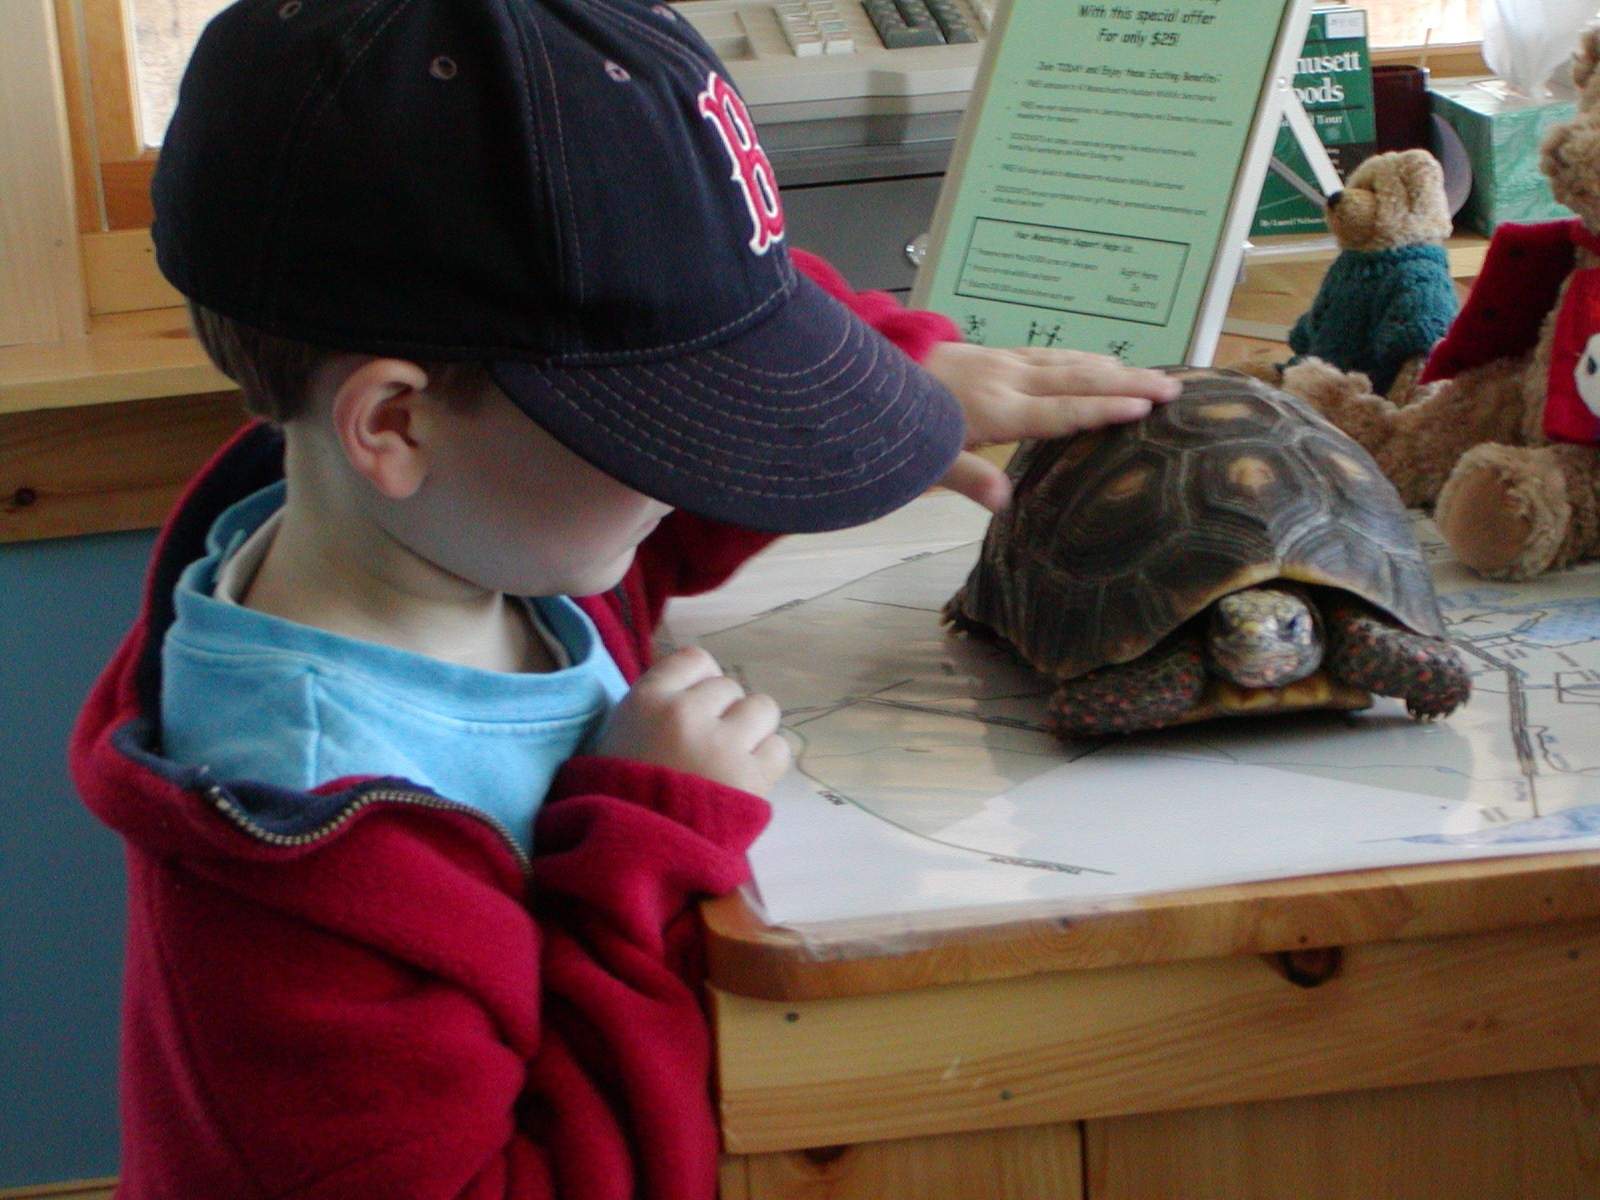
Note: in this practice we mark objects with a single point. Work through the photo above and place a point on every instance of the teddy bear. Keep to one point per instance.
(1388, 297)
(1501, 435)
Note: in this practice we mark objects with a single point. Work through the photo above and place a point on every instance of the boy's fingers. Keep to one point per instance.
(1056, 416)
(773, 756)
(753, 718)
(1102, 377)
(979, 480)
(717, 694)
(680, 670)
(1102, 374)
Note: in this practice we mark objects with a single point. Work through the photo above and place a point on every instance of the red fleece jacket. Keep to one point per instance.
(366, 991)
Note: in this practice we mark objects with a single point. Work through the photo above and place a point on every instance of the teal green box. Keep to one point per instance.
(1501, 132)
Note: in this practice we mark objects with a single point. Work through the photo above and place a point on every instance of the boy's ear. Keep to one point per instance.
(378, 420)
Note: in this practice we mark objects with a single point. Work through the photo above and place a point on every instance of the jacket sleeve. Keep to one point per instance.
(625, 1062)
(914, 330)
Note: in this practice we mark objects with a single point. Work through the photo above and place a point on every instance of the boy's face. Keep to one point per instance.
(510, 509)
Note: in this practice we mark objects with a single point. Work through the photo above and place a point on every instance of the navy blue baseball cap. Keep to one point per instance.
(569, 191)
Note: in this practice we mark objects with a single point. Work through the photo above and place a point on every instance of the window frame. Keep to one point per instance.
(41, 285)
(110, 157)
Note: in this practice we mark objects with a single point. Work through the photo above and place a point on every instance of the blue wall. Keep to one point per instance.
(64, 605)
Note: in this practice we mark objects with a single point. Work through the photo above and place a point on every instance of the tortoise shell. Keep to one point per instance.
(1116, 537)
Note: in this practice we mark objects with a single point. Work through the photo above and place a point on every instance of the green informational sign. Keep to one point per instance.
(1108, 167)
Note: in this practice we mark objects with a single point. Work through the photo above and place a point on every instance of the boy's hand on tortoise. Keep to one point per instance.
(1034, 392)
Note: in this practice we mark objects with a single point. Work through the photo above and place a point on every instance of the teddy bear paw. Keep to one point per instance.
(1266, 370)
(1504, 511)
(1327, 388)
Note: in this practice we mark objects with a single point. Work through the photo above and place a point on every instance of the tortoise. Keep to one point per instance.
(1231, 553)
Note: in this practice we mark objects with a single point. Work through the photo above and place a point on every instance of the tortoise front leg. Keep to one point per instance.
(1371, 652)
(1147, 693)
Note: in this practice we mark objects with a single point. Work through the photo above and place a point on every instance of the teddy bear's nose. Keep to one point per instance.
(1333, 200)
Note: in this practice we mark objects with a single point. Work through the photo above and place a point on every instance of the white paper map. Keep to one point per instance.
(925, 785)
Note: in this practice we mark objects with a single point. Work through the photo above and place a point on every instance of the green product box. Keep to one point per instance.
(1501, 132)
(1333, 79)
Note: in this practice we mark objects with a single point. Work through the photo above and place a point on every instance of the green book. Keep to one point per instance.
(1333, 78)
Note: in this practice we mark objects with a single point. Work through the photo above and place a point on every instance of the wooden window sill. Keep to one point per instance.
(125, 356)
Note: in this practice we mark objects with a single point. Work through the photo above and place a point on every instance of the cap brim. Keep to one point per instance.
(809, 420)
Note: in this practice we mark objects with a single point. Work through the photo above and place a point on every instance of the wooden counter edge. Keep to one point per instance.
(750, 958)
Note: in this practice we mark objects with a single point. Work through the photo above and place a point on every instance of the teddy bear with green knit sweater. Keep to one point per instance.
(1388, 296)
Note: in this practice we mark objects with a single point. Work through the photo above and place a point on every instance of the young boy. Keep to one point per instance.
(415, 838)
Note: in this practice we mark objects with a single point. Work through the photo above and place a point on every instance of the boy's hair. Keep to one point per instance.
(275, 374)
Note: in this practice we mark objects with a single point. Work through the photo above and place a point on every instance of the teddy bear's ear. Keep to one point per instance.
(1427, 207)
(1584, 61)
(1418, 170)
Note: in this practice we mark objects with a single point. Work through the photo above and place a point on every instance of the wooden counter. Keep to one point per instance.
(1416, 1032)
(100, 433)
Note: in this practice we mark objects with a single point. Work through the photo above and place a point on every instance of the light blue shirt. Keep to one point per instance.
(253, 696)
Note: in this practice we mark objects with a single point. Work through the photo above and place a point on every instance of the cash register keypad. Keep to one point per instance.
(903, 23)
(814, 27)
(817, 27)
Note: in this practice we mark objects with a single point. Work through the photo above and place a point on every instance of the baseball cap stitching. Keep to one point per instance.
(851, 342)
(651, 31)
(833, 405)
(845, 356)
(328, 84)
(668, 451)
(557, 159)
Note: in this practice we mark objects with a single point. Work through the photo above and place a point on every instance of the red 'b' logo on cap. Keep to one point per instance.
(721, 105)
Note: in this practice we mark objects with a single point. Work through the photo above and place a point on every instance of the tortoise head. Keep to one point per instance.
(1264, 636)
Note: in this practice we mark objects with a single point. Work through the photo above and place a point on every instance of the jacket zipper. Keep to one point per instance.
(224, 803)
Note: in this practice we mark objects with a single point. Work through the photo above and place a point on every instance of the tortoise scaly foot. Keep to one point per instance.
(1147, 693)
(1366, 651)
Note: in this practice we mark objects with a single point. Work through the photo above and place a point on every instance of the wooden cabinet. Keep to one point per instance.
(1407, 1060)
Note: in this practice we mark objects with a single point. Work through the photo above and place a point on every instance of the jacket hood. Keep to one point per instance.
(115, 748)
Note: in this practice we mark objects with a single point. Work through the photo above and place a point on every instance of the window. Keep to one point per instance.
(164, 32)
(1423, 22)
